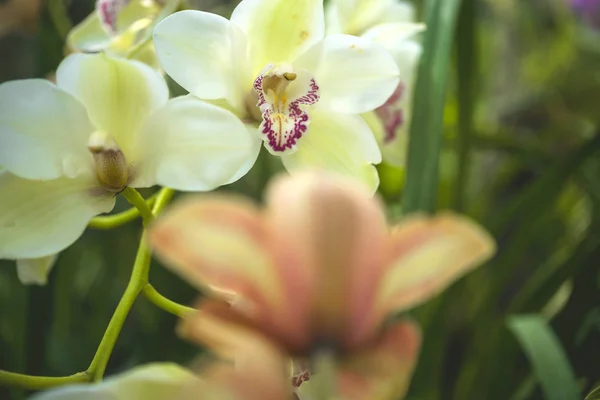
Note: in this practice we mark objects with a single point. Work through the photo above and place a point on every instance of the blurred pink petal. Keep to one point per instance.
(382, 370)
(427, 255)
(327, 239)
(261, 368)
(221, 243)
(317, 268)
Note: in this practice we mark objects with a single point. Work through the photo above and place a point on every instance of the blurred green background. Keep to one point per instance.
(521, 154)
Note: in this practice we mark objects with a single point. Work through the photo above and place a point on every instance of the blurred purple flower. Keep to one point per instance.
(588, 10)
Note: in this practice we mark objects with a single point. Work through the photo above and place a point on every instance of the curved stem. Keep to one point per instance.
(116, 220)
(136, 200)
(166, 304)
(139, 278)
(162, 199)
(33, 382)
(138, 282)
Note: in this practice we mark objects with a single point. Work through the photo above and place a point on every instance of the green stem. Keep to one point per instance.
(162, 199)
(122, 218)
(136, 200)
(32, 382)
(138, 282)
(139, 278)
(166, 304)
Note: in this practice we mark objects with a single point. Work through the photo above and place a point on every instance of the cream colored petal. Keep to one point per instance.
(39, 218)
(354, 74)
(43, 131)
(399, 11)
(356, 16)
(279, 30)
(205, 54)
(118, 94)
(34, 271)
(192, 145)
(429, 254)
(328, 236)
(90, 36)
(391, 121)
(157, 381)
(337, 143)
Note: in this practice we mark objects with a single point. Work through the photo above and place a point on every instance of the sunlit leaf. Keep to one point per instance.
(549, 361)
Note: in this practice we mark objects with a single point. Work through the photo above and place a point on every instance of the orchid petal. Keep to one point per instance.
(354, 74)
(328, 241)
(429, 254)
(338, 143)
(34, 271)
(157, 381)
(192, 145)
(220, 243)
(393, 148)
(356, 16)
(43, 131)
(39, 218)
(392, 123)
(260, 367)
(394, 35)
(118, 94)
(91, 36)
(279, 30)
(383, 369)
(204, 53)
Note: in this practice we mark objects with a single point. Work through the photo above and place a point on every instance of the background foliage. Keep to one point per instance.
(519, 152)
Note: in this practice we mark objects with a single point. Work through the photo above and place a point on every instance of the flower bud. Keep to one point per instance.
(112, 171)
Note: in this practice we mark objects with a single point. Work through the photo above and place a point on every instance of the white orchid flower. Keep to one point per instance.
(34, 271)
(389, 23)
(272, 65)
(120, 26)
(107, 124)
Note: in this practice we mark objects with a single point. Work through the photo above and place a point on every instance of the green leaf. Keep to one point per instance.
(545, 353)
(594, 395)
(430, 95)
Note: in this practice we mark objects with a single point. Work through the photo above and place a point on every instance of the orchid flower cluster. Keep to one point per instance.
(302, 298)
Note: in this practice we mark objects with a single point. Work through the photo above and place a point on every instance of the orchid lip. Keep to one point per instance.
(282, 96)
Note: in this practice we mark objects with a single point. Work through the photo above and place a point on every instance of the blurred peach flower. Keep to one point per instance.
(317, 271)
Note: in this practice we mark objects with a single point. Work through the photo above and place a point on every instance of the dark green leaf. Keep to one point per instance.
(430, 95)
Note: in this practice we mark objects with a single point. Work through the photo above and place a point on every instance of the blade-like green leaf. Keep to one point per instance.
(550, 364)
(594, 394)
(426, 128)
